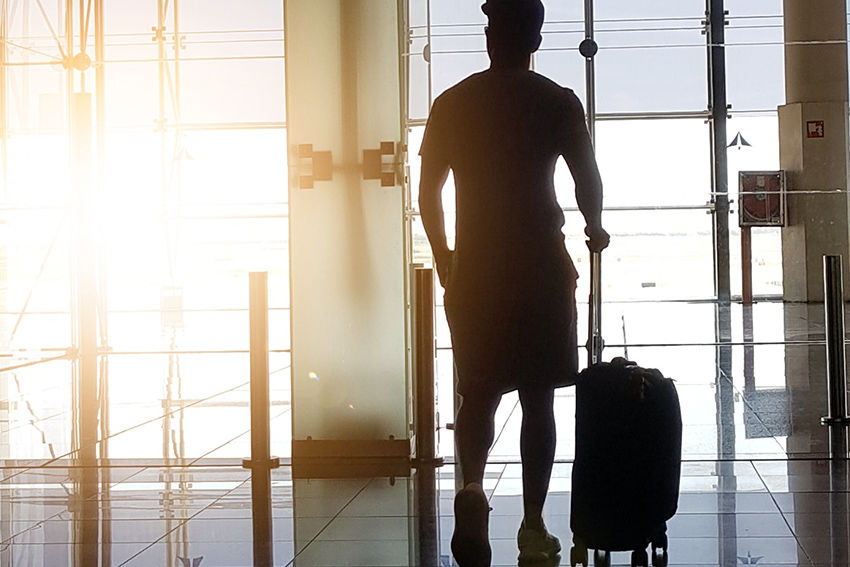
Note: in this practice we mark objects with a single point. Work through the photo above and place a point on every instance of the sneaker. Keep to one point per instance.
(537, 545)
(470, 542)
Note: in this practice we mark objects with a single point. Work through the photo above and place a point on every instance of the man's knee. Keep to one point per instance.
(478, 406)
(538, 397)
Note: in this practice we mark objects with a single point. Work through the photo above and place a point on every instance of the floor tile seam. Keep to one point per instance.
(23, 424)
(190, 405)
(784, 517)
(671, 538)
(291, 562)
(7, 542)
(183, 522)
(246, 432)
(450, 460)
(750, 406)
(730, 343)
(131, 428)
(38, 523)
(147, 422)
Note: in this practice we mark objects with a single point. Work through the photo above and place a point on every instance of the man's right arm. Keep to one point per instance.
(433, 176)
(579, 155)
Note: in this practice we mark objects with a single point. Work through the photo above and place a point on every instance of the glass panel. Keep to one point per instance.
(180, 217)
(418, 68)
(214, 91)
(35, 300)
(419, 81)
(652, 71)
(36, 101)
(347, 256)
(452, 13)
(36, 411)
(755, 55)
(651, 56)
(559, 59)
(131, 21)
(234, 167)
(654, 255)
(761, 132)
(654, 162)
(451, 65)
(223, 15)
(653, 10)
(132, 97)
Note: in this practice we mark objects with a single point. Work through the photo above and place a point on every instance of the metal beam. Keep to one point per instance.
(716, 37)
(4, 126)
(590, 73)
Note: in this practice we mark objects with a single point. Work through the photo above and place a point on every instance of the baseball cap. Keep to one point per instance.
(524, 12)
(515, 21)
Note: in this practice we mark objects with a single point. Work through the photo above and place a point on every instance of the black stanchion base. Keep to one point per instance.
(826, 420)
(272, 463)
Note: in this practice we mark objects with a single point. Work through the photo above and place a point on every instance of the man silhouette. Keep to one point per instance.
(510, 283)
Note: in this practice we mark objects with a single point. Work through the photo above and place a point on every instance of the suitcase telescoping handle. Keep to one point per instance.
(594, 332)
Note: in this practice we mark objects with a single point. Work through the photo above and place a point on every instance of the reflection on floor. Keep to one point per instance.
(763, 483)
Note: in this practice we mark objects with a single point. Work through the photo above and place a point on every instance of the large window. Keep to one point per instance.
(188, 169)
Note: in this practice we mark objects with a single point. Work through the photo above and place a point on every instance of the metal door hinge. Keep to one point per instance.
(381, 164)
(313, 166)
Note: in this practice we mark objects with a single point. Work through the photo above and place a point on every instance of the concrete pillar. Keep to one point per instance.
(813, 143)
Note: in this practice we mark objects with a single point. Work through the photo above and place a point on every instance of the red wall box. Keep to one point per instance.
(761, 198)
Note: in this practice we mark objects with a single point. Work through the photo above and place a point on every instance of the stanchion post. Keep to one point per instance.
(424, 354)
(261, 462)
(836, 377)
(259, 325)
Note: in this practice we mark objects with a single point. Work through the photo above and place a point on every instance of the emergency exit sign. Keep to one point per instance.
(814, 129)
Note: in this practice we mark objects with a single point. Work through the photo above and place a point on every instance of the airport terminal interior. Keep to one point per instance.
(222, 342)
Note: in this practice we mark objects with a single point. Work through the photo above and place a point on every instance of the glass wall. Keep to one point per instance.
(653, 138)
(189, 168)
(189, 171)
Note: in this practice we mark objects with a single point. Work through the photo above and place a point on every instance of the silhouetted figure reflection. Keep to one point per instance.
(510, 283)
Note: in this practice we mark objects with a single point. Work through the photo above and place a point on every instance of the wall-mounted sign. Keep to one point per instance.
(814, 129)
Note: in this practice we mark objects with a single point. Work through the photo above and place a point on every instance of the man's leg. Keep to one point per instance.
(537, 449)
(474, 432)
(475, 429)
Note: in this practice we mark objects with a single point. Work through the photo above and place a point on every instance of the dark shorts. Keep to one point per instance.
(514, 326)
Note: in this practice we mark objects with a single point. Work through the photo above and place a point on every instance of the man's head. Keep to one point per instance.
(513, 27)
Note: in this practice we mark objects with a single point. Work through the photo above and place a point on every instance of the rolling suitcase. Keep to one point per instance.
(628, 454)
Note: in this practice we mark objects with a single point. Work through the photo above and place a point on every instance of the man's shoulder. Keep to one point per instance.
(555, 90)
(460, 88)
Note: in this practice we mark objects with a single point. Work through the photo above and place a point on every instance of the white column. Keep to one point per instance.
(813, 143)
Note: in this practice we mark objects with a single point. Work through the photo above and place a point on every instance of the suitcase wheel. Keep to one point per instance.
(639, 558)
(659, 548)
(659, 557)
(578, 555)
(601, 558)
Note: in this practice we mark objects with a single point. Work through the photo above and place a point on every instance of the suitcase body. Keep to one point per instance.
(627, 463)
(628, 452)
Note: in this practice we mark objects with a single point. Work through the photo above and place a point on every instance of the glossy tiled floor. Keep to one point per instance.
(763, 483)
